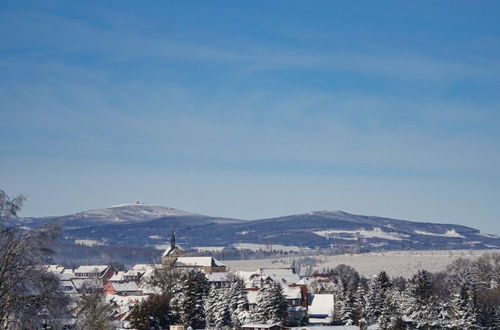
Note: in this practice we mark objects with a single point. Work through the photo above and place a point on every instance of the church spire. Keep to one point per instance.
(172, 241)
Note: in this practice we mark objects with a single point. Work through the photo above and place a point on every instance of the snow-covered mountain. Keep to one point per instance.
(148, 225)
(118, 214)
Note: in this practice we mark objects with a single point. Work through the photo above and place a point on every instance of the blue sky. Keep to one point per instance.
(254, 109)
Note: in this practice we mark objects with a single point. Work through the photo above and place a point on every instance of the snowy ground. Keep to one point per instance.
(395, 263)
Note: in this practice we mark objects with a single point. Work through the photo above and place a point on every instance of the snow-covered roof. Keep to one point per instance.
(68, 286)
(292, 292)
(79, 282)
(217, 277)
(123, 303)
(118, 277)
(127, 286)
(56, 269)
(64, 277)
(244, 275)
(68, 271)
(306, 280)
(133, 272)
(276, 275)
(91, 269)
(321, 304)
(324, 284)
(144, 267)
(289, 292)
(285, 275)
(199, 261)
(170, 251)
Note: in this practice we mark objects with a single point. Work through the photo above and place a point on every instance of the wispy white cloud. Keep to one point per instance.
(58, 38)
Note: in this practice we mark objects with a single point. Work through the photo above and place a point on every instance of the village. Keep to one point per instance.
(200, 292)
(310, 300)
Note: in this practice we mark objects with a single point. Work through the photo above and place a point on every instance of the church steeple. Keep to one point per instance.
(173, 251)
(172, 241)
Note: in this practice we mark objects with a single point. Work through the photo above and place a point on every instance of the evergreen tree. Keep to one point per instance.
(271, 306)
(464, 307)
(390, 316)
(188, 298)
(346, 308)
(210, 308)
(258, 314)
(360, 302)
(418, 302)
(376, 296)
(279, 310)
(384, 318)
(238, 305)
(222, 313)
(337, 307)
(384, 281)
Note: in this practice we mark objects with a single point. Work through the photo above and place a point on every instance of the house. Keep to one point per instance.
(117, 277)
(127, 276)
(296, 296)
(319, 283)
(321, 308)
(67, 284)
(102, 272)
(122, 289)
(219, 279)
(206, 264)
(146, 271)
(256, 279)
(81, 283)
(122, 306)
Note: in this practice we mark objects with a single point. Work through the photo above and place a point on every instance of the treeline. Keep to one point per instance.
(76, 254)
(230, 253)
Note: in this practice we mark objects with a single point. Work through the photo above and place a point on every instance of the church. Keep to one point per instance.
(172, 257)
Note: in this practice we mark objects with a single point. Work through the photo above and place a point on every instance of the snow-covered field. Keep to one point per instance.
(395, 263)
(88, 242)
(209, 248)
(268, 247)
(449, 233)
(373, 233)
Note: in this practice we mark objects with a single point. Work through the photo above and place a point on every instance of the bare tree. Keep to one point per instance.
(164, 278)
(92, 311)
(29, 295)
